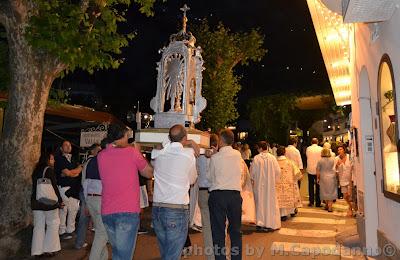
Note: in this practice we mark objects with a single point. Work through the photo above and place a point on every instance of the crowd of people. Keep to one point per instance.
(225, 183)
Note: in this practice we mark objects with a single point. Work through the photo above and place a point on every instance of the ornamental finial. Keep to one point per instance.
(184, 9)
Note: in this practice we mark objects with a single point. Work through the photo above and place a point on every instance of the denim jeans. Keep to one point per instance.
(122, 229)
(82, 223)
(171, 227)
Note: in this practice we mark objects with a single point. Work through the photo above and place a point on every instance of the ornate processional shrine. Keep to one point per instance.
(178, 97)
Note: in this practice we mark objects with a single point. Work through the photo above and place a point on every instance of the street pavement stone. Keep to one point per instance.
(296, 240)
(312, 234)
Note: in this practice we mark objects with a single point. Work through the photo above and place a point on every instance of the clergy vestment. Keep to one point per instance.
(293, 154)
(286, 186)
(264, 172)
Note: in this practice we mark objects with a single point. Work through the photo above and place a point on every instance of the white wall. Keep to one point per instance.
(365, 162)
(368, 57)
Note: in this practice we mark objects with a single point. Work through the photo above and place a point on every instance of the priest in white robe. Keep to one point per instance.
(293, 154)
(264, 172)
(286, 186)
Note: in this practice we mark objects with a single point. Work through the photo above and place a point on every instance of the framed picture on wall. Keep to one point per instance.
(354, 141)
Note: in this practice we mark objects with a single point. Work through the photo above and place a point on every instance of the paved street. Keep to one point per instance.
(312, 234)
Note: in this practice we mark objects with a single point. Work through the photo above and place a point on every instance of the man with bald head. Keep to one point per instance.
(313, 153)
(68, 181)
(174, 172)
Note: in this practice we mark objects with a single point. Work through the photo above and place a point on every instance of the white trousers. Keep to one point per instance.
(45, 237)
(99, 249)
(68, 213)
(206, 225)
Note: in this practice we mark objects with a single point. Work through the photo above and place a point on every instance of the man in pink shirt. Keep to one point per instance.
(119, 164)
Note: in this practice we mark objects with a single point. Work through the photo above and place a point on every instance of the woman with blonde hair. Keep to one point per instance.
(326, 177)
(245, 152)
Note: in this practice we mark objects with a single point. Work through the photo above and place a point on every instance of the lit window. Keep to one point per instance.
(389, 130)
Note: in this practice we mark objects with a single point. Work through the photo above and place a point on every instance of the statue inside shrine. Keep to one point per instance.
(178, 98)
(174, 71)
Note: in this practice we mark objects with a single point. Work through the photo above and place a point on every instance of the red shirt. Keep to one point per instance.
(118, 169)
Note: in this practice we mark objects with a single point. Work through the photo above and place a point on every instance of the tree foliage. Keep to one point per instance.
(223, 50)
(82, 34)
(271, 116)
(44, 39)
(58, 96)
(306, 118)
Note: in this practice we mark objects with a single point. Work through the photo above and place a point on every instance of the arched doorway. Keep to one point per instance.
(367, 220)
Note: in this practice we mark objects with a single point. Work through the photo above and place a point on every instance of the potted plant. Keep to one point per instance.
(389, 96)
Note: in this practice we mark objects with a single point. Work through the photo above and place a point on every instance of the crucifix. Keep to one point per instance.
(184, 9)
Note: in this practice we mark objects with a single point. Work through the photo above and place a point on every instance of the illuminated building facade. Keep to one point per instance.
(360, 44)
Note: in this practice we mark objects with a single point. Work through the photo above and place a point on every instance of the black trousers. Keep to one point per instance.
(226, 204)
(188, 241)
(313, 190)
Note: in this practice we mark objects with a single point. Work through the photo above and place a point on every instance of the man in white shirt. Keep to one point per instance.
(174, 172)
(313, 154)
(225, 202)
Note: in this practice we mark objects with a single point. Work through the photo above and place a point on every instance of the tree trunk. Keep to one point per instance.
(32, 74)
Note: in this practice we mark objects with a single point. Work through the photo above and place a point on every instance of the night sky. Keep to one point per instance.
(293, 63)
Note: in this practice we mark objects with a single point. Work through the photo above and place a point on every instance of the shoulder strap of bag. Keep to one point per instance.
(44, 171)
(85, 165)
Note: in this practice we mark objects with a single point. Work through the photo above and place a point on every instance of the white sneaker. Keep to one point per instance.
(66, 236)
(83, 246)
(197, 228)
(187, 251)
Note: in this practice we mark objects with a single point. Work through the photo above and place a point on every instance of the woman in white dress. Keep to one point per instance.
(343, 168)
(248, 204)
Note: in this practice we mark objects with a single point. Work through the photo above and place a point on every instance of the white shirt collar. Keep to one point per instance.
(175, 146)
(68, 156)
(228, 147)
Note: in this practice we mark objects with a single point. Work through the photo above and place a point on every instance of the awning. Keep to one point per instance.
(335, 40)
